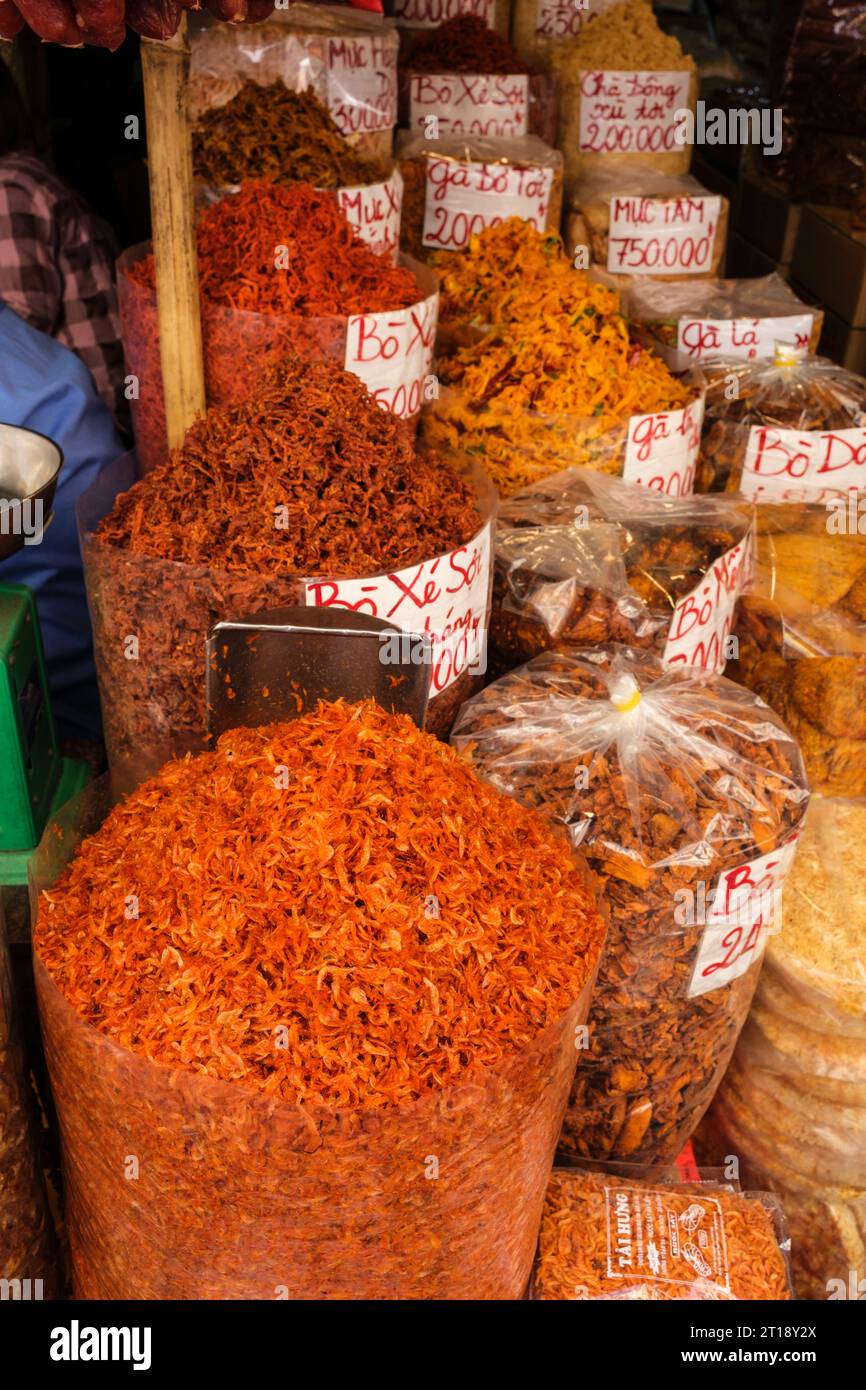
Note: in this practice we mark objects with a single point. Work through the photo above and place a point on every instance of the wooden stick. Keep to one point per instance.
(165, 69)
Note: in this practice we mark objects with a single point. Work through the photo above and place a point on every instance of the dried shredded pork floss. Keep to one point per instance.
(329, 1057)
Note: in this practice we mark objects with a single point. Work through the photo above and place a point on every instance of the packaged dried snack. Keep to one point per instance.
(611, 1237)
(686, 795)
(538, 27)
(640, 223)
(398, 1090)
(789, 430)
(582, 558)
(456, 187)
(415, 18)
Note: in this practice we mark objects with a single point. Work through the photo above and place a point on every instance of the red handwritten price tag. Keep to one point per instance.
(750, 339)
(392, 353)
(462, 199)
(803, 465)
(662, 449)
(464, 103)
(662, 236)
(631, 112)
(702, 621)
(562, 19)
(741, 911)
(429, 14)
(444, 599)
(374, 212)
(362, 84)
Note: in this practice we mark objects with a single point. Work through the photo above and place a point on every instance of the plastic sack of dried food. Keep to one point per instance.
(742, 319)
(348, 58)
(605, 1236)
(789, 430)
(686, 795)
(647, 224)
(406, 1105)
(801, 633)
(582, 558)
(415, 18)
(455, 187)
(28, 1268)
(538, 27)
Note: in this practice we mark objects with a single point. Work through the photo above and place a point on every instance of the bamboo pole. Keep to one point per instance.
(165, 70)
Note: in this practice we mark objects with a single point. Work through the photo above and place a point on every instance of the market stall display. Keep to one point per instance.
(604, 1236)
(306, 493)
(581, 558)
(103, 23)
(686, 795)
(398, 1091)
(456, 187)
(792, 1106)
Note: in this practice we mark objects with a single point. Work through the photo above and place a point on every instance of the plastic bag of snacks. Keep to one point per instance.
(722, 318)
(306, 493)
(622, 82)
(464, 79)
(646, 224)
(686, 795)
(27, 1253)
(320, 293)
(584, 559)
(404, 1100)
(789, 430)
(415, 18)
(346, 57)
(792, 1106)
(802, 635)
(454, 188)
(611, 1237)
(538, 27)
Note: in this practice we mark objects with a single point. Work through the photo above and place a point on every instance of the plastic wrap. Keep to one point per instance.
(647, 224)
(153, 703)
(454, 188)
(686, 795)
(538, 27)
(238, 342)
(742, 319)
(582, 558)
(346, 56)
(802, 636)
(605, 1236)
(789, 430)
(415, 18)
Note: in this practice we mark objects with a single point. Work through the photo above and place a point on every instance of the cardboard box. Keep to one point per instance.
(830, 262)
(766, 217)
(843, 343)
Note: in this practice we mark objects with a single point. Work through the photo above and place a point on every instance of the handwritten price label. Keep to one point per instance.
(444, 599)
(743, 906)
(374, 212)
(362, 84)
(630, 112)
(429, 14)
(662, 449)
(462, 199)
(750, 339)
(803, 465)
(392, 353)
(702, 620)
(561, 19)
(662, 236)
(494, 104)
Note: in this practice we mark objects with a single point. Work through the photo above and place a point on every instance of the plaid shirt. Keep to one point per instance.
(57, 270)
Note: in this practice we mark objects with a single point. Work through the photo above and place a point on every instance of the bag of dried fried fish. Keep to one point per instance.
(605, 1236)
(583, 558)
(685, 794)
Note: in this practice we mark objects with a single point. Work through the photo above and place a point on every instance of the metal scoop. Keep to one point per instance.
(275, 665)
(29, 465)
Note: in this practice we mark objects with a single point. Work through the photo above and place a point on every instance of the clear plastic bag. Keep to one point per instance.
(538, 27)
(455, 187)
(609, 1236)
(789, 430)
(686, 795)
(647, 224)
(582, 558)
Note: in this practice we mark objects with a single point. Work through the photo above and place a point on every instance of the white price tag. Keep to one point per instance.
(463, 199)
(662, 236)
(374, 212)
(803, 465)
(444, 599)
(750, 339)
(466, 103)
(702, 621)
(631, 112)
(662, 449)
(392, 353)
(429, 14)
(362, 84)
(562, 19)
